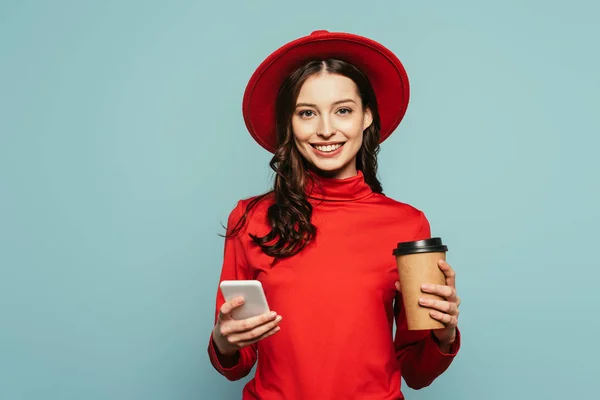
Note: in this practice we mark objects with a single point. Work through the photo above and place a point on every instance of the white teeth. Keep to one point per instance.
(329, 148)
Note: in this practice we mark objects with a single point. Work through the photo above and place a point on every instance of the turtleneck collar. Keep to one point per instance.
(333, 189)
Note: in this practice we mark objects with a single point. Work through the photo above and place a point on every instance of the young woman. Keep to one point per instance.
(321, 241)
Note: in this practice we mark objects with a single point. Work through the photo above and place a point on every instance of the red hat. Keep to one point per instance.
(385, 71)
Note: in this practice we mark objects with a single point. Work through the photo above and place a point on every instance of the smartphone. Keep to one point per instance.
(255, 301)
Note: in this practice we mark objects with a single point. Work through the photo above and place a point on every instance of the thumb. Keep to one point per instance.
(398, 286)
(228, 307)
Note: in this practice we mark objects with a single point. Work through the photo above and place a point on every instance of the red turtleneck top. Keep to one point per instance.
(338, 302)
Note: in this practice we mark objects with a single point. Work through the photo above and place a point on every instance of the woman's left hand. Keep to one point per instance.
(446, 310)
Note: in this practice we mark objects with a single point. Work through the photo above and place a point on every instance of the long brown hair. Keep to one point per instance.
(290, 213)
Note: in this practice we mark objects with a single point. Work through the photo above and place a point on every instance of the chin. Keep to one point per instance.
(332, 169)
(329, 167)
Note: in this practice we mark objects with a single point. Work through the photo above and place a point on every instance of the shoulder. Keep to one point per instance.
(254, 204)
(250, 209)
(407, 215)
(398, 207)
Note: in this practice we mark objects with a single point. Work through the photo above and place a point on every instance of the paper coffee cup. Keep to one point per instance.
(417, 263)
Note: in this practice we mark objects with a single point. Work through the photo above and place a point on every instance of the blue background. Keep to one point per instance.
(122, 149)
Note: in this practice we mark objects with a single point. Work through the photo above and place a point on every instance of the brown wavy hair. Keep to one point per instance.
(290, 213)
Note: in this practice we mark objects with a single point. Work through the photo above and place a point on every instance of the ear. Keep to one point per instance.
(367, 119)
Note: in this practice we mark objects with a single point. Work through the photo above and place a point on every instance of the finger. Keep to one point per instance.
(248, 324)
(449, 272)
(229, 306)
(256, 332)
(440, 305)
(263, 336)
(449, 293)
(398, 286)
(446, 319)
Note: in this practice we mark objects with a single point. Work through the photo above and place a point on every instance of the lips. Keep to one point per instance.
(327, 148)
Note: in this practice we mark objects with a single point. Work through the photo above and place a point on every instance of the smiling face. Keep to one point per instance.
(328, 124)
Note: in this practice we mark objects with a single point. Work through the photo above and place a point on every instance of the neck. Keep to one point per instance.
(350, 188)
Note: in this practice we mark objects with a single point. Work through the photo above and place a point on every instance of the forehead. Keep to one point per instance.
(327, 88)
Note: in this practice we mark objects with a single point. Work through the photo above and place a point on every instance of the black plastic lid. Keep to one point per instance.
(432, 245)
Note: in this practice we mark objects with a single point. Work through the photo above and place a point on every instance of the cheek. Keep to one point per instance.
(355, 135)
(357, 143)
(353, 128)
(300, 130)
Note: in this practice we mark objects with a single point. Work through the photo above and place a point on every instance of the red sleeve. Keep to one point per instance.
(421, 360)
(234, 267)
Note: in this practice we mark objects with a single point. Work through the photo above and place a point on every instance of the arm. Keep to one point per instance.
(235, 266)
(421, 356)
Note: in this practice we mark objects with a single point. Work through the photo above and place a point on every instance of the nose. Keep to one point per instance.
(325, 128)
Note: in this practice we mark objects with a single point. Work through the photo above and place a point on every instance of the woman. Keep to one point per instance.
(320, 242)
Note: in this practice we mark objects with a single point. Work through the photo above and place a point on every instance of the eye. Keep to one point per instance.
(306, 113)
(344, 111)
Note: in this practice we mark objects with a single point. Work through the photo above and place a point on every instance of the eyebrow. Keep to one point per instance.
(334, 103)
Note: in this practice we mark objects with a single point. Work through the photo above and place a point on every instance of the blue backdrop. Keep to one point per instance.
(122, 149)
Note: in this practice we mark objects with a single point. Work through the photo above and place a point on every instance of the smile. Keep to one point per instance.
(327, 148)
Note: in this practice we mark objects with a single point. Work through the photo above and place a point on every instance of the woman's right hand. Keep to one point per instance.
(231, 335)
